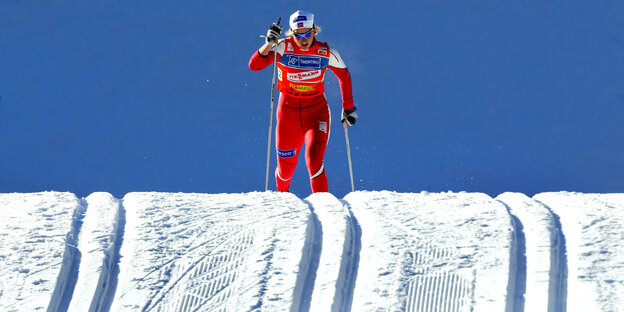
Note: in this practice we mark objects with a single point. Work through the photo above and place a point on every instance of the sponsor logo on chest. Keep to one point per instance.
(303, 76)
(302, 61)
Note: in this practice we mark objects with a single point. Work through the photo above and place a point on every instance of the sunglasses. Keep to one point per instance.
(304, 35)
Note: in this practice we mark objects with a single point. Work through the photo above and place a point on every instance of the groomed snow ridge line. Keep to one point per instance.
(558, 288)
(516, 289)
(309, 263)
(107, 283)
(68, 274)
(541, 265)
(352, 259)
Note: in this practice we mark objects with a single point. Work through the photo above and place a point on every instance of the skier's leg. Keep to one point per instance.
(286, 166)
(314, 159)
(288, 140)
(316, 143)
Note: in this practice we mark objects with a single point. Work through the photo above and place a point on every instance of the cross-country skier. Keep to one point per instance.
(302, 112)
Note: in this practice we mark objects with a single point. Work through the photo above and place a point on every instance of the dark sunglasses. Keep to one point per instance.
(304, 35)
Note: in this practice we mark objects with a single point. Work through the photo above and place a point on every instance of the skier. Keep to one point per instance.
(303, 112)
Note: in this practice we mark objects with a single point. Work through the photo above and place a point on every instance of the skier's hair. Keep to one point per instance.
(316, 30)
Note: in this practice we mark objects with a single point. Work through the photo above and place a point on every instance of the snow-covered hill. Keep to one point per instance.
(270, 251)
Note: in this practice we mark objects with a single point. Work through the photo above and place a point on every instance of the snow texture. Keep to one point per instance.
(592, 225)
(371, 251)
(98, 244)
(38, 254)
(184, 252)
(540, 285)
(422, 252)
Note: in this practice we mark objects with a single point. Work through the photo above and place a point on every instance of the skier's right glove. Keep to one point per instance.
(273, 34)
(349, 116)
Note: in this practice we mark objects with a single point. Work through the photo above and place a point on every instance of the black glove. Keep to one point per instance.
(273, 34)
(349, 116)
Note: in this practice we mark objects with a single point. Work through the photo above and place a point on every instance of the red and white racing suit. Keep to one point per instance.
(302, 112)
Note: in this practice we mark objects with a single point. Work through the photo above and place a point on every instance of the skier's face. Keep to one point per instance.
(304, 37)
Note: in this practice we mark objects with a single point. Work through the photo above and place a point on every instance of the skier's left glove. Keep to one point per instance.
(349, 116)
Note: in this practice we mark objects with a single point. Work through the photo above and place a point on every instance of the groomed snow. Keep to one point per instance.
(184, 252)
(540, 284)
(337, 262)
(593, 226)
(423, 252)
(38, 252)
(97, 243)
(275, 252)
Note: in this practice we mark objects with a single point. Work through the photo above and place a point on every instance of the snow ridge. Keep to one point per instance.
(442, 251)
(275, 252)
(337, 264)
(516, 288)
(220, 252)
(542, 264)
(352, 256)
(107, 282)
(309, 263)
(68, 275)
(593, 233)
(558, 286)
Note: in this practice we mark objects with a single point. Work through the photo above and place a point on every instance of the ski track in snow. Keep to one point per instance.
(38, 256)
(592, 225)
(415, 261)
(275, 252)
(188, 252)
(541, 255)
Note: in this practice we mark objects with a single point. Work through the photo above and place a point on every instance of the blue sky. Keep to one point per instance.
(483, 96)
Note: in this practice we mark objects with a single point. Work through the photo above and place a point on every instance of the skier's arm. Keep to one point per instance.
(265, 49)
(339, 68)
(263, 57)
(259, 62)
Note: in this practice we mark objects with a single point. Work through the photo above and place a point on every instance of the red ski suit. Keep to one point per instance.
(302, 112)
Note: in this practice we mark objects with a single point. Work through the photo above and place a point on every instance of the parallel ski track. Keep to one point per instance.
(314, 247)
(516, 289)
(103, 300)
(208, 280)
(68, 275)
(558, 292)
(352, 265)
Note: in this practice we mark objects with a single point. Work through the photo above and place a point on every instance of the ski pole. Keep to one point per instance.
(349, 155)
(266, 184)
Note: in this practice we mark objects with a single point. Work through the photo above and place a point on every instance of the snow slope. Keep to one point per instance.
(422, 252)
(594, 234)
(38, 257)
(184, 252)
(371, 251)
(542, 259)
